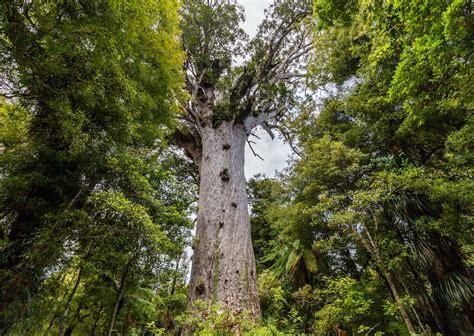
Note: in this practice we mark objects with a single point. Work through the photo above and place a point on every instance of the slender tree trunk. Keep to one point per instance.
(422, 326)
(398, 300)
(175, 276)
(67, 307)
(115, 310)
(68, 304)
(69, 330)
(223, 269)
(372, 248)
(96, 320)
(168, 323)
(394, 290)
(120, 292)
(126, 323)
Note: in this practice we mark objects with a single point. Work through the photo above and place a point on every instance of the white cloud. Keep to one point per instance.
(254, 12)
(275, 154)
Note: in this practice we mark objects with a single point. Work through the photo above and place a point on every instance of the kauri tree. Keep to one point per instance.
(234, 86)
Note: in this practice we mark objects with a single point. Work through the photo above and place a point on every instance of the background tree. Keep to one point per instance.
(92, 85)
(379, 189)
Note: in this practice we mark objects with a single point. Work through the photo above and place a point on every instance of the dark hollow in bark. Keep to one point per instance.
(224, 175)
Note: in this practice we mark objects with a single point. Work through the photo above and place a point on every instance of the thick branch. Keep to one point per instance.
(189, 143)
(264, 114)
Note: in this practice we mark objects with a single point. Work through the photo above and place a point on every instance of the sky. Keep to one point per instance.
(254, 14)
(274, 152)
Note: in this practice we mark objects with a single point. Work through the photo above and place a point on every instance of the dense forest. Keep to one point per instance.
(124, 207)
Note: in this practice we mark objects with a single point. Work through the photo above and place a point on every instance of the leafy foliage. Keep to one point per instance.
(377, 196)
(368, 231)
(91, 88)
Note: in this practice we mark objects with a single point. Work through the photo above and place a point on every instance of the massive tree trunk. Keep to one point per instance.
(223, 269)
(245, 96)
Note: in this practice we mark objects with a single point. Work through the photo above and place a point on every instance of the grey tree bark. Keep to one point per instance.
(223, 269)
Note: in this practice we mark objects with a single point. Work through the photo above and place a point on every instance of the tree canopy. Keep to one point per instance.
(380, 197)
(90, 90)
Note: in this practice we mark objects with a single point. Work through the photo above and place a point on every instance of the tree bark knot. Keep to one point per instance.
(224, 175)
(226, 147)
(200, 288)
